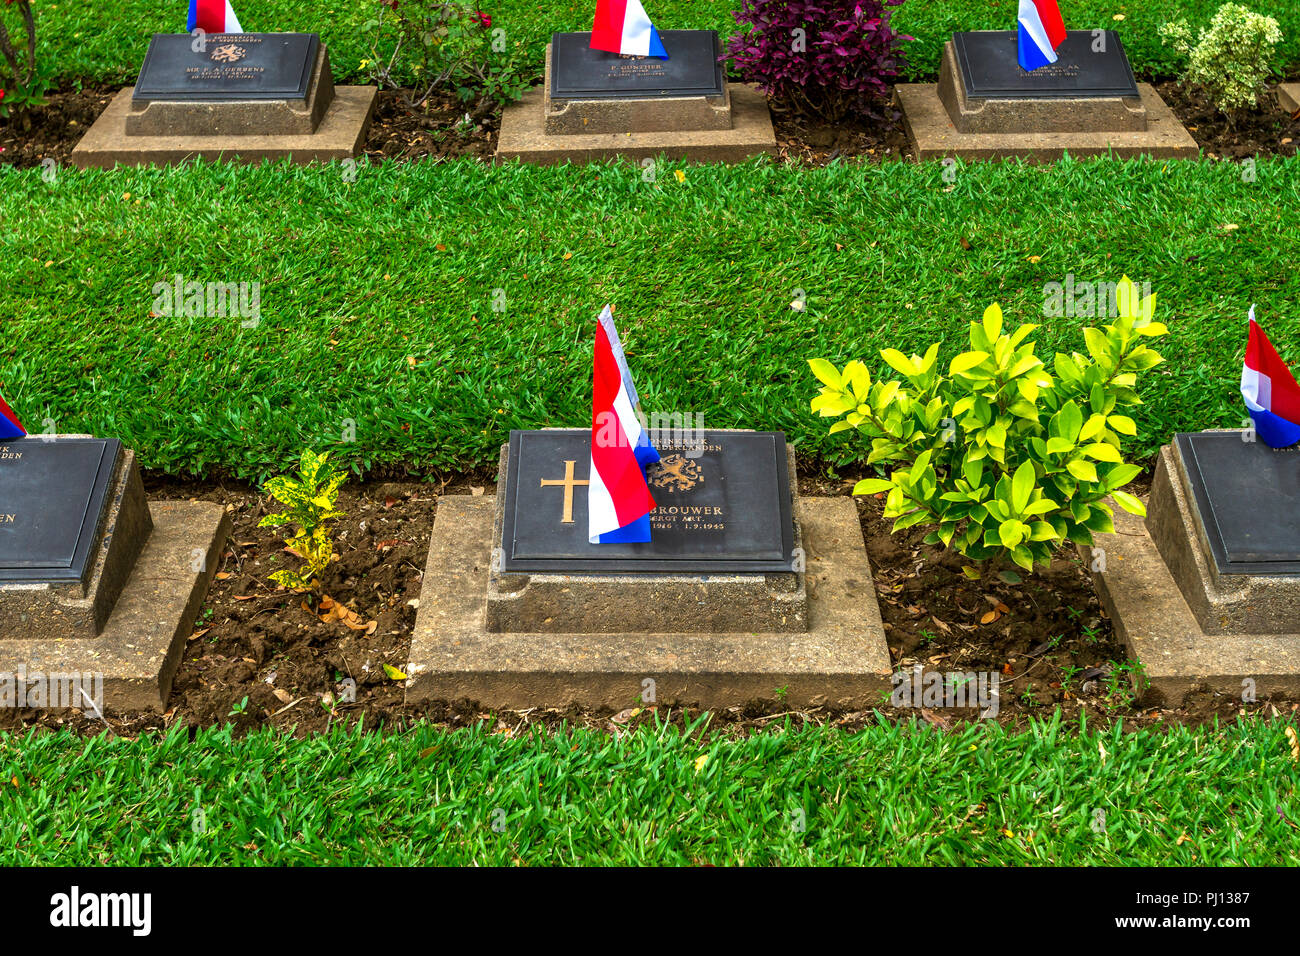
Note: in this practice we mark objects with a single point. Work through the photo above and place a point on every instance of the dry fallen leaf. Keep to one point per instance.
(334, 611)
(1295, 744)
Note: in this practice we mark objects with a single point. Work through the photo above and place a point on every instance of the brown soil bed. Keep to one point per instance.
(51, 131)
(261, 656)
(1268, 130)
(814, 143)
(436, 130)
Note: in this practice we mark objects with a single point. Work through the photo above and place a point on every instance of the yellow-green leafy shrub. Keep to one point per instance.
(1002, 458)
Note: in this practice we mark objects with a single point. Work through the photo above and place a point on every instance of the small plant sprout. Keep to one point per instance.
(310, 500)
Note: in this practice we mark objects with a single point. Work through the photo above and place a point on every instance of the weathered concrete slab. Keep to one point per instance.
(1288, 96)
(842, 658)
(566, 116)
(80, 608)
(934, 136)
(615, 603)
(1032, 114)
(140, 647)
(1222, 603)
(523, 135)
(340, 135)
(1158, 628)
(287, 117)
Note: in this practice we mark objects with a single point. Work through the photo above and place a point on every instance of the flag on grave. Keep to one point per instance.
(10, 426)
(1041, 31)
(618, 498)
(622, 26)
(212, 16)
(1270, 390)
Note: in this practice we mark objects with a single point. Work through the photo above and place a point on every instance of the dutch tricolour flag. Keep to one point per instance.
(1041, 32)
(618, 499)
(622, 27)
(212, 16)
(10, 426)
(1270, 390)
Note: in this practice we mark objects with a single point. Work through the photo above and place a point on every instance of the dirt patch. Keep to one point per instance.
(1268, 130)
(259, 657)
(815, 143)
(52, 130)
(437, 130)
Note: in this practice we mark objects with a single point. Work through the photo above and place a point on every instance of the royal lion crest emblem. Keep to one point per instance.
(229, 53)
(675, 473)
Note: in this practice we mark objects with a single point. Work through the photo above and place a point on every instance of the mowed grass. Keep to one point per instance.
(101, 42)
(891, 794)
(379, 298)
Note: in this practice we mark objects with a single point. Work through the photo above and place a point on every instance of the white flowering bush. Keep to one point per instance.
(1232, 59)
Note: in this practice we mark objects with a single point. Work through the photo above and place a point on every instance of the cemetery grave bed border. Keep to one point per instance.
(260, 658)
(400, 133)
(892, 793)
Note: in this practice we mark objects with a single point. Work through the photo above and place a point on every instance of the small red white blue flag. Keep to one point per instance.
(622, 26)
(618, 498)
(212, 16)
(1041, 31)
(1270, 390)
(10, 426)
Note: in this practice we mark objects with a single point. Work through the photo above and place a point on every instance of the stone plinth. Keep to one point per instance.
(1189, 625)
(137, 653)
(616, 603)
(672, 114)
(279, 117)
(1084, 114)
(523, 135)
(1222, 603)
(841, 658)
(79, 609)
(934, 135)
(1288, 96)
(1086, 104)
(340, 135)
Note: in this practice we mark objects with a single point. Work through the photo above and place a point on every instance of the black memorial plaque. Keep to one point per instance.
(692, 68)
(52, 494)
(991, 71)
(726, 511)
(1248, 496)
(231, 66)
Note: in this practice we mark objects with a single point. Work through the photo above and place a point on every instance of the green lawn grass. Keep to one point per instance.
(361, 280)
(891, 794)
(107, 42)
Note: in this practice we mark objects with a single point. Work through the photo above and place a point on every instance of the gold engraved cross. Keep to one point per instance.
(569, 483)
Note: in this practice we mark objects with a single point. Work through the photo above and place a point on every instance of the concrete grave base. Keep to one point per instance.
(933, 135)
(523, 135)
(645, 115)
(1288, 96)
(340, 134)
(140, 647)
(841, 659)
(79, 609)
(1158, 628)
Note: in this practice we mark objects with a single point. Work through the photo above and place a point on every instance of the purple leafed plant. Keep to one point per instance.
(828, 58)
